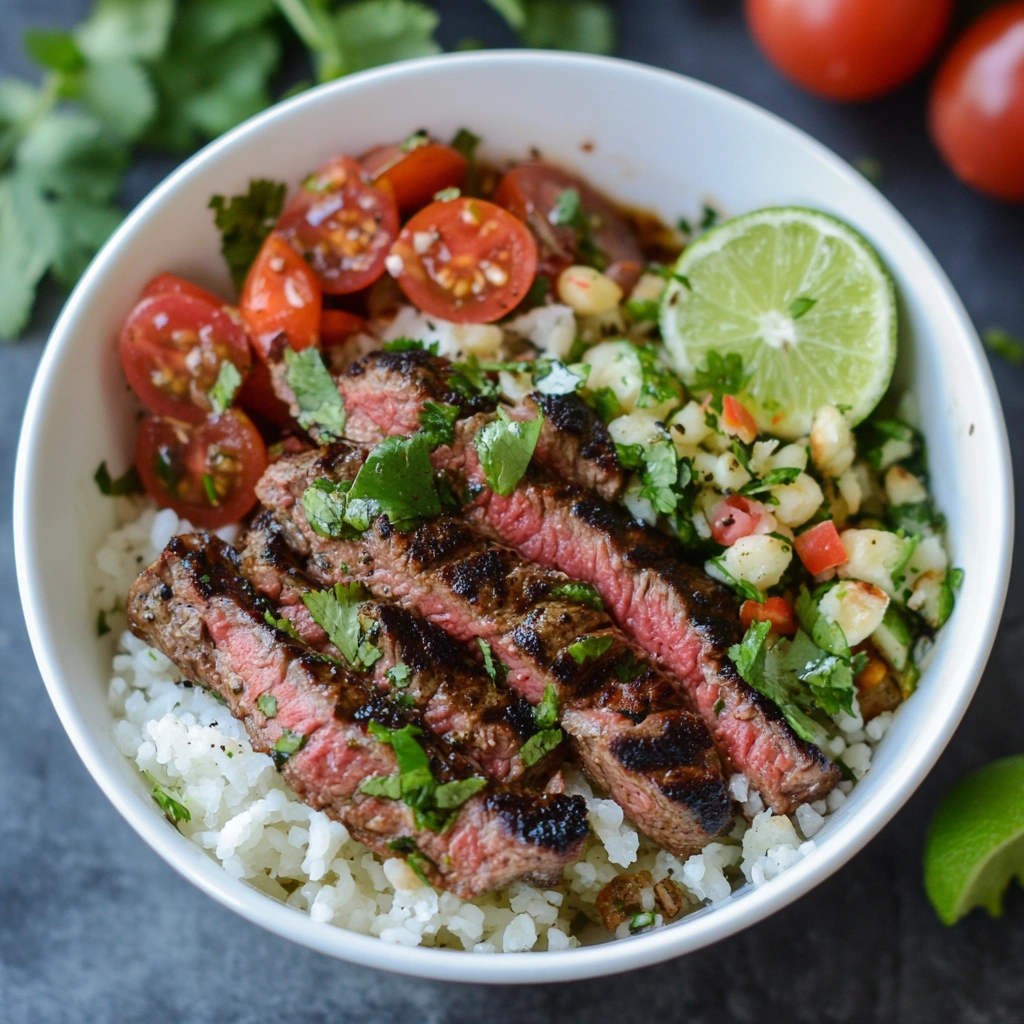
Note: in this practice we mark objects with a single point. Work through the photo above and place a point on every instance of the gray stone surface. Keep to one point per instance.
(94, 927)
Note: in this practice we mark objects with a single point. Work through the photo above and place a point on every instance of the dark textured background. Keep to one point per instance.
(94, 927)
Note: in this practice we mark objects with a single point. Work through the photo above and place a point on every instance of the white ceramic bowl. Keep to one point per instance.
(647, 137)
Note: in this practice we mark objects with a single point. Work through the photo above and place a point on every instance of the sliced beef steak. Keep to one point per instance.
(312, 715)
(420, 665)
(625, 717)
(384, 393)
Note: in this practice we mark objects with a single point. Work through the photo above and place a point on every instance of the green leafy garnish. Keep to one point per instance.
(283, 624)
(465, 142)
(585, 25)
(642, 920)
(643, 310)
(628, 669)
(658, 384)
(387, 786)
(128, 483)
(288, 743)
(800, 306)
(226, 386)
(210, 487)
(167, 802)
(399, 675)
(774, 478)
(449, 795)
(267, 703)
(325, 504)
(716, 567)
(539, 744)
(1004, 345)
(606, 404)
(320, 406)
(589, 647)
(722, 375)
(545, 714)
(396, 480)
(470, 380)
(582, 592)
(505, 447)
(336, 611)
(437, 422)
(102, 626)
(409, 345)
(244, 221)
(709, 218)
(495, 668)
(568, 211)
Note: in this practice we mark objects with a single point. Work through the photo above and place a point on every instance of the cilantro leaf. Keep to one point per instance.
(545, 714)
(284, 624)
(658, 384)
(267, 703)
(1004, 345)
(465, 142)
(584, 25)
(589, 647)
(288, 743)
(801, 306)
(225, 387)
(320, 405)
(470, 380)
(582, 592)
(437, 423)
(775, 477)
(495, 668)
(397, 480)
(387, 786)
(126, 29)
(55, 50)
(606, 404)
(336, 611)
(827, 635)
(660, 476)
(244, 221)
(128, 483)
(325, 504)
(628, 669)
(399, 675)
(505, 447)
(722, 375)
(715, 567)
(409, 345)
(539, 744)
(450, 795)
(167, 802)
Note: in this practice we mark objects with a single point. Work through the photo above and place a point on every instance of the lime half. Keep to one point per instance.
(806, 302)
(975, 843)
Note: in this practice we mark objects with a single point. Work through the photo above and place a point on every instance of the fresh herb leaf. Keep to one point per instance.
(606, 404)
(289, 743)
(469, 380)
(539, 744)
(827, 635)
(643, 310)
(505, 447)
(722, 375)
(102, 626)
(871, 168)
(267, 703)
(660, 476)
(325, 504)
(545, 714)
(418, 787)
(589, 647)
(409, 345)
(244, 221)
(715, 567)
(320, 406)
(800, 306)
(283, 624)
(1004, 345)
(584, 25)
(628, 669)
(642, 920)
(336, 611)
(446, 195)
(774, 478)
(128, 483)
(396, 480)
(226, 386)
(210, 486)
(450, 795)
(415, 141)
(568, 211)
(582, 592)
(495, 668)
(387, 786)
(683, 226)
(167, 801)
(437, 423)
(709, 218)
(658, 384)
(399, 675)
(465, 142)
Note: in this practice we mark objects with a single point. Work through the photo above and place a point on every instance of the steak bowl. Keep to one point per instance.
(632, 132)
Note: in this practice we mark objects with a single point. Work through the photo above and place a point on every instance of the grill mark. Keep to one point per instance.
(680, 743)
(556, 824)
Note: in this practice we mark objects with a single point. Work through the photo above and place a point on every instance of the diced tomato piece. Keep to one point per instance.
(164, 283)
(206, 473)
(172, 347)
(342, 224)
(338, 325)
(415, 175)
(820, 548)
(776, 610)
(737, 420)
(281, 296)
(464, 260)
(736, 517)
(258, 397)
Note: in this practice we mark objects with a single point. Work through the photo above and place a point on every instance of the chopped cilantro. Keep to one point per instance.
(719, 706)
(505, 447)
(396, 480)
(643, 310)
(128, 483)
(589, 647)
(800, 306)
(495, 668)
(465, 142)
(415, 140)
(437, 422)
(628, 669)
(539, 744)
(399, 675)
(582, 592)
(325, 504)
(409, 345)
(226, 386)
(470, 380)
(282, 624)
(210, 486)
(102, 627)
(320, 406)
(709, 217)
(1004, 345)
(606, 404)
(545, 714)
(683, 226)
(174, 809)
(244, 221)
(658, 385)
(288, 743)
(722, 375)
(267, 703)
(642, 920)
(660, 476)
(774, 478)
(716, 567)
(446, 195)
(388, 786)
(336, 611)
(568, 211)
(450, 795)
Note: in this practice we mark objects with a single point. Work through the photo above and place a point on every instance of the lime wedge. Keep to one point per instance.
(802, 298)
(975, 844)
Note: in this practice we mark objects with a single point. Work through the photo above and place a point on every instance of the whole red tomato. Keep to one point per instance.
(977, 104)
(849, 49)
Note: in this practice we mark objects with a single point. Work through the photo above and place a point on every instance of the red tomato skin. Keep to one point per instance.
(466, 231)
(281, 295)
(233, 432)
(849, 49)
(416, 176)
(318, 220)
(141, 346)
(737, 419)
(736, 517)
(776, 610)
(258, 397)
(163, 284)
(337, 326)
(976, 110)
(820, 548)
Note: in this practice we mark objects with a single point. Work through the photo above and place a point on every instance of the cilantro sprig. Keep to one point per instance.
(244, 221)
(548, 736)
(336, 611)
(321, 409)
(505, 447)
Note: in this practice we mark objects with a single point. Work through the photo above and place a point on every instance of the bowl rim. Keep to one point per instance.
(726, 917)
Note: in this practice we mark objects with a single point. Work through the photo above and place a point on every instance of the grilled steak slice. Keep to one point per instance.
(195, 606)
(384, 393)
(624, 715)
(420, 665)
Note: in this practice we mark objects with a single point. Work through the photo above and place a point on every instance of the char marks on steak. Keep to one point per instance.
(384, 393)
(458, 702)
(196, 606)
(625, 717)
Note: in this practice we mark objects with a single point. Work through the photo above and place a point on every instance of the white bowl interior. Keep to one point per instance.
(649, 138)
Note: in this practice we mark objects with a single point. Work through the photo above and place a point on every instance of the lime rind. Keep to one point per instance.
(735, 291)
(975, 844)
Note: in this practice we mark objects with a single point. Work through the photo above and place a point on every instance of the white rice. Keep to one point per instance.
(246, 818)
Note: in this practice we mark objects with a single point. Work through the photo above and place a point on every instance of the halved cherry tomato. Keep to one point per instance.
(736, 419)
(258, 397)
(820, 548)
(977, 105)
(776, 610)
(338, 325)
(281, 295)
(164, 283)
(342, 225)
(736, 517)
(465, 260)
(602, 236)
(848, 49)
(415, 175)
(172, 346)
(206, 473)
